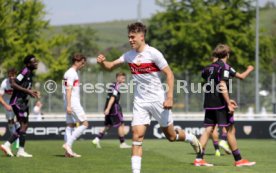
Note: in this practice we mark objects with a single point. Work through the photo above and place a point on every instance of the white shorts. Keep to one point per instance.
(143, 112)
(78, 114)
(9, 115)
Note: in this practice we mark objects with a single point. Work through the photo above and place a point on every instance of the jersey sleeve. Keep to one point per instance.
(115, 90)
(69, 79)
(159, 60)
(21, 76)
(232, 72)
(2, 88)
(224, 74)
(122, 59)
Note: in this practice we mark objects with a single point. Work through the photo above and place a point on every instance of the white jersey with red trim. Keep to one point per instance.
(6, 90)
(71, 79)
(146, 68)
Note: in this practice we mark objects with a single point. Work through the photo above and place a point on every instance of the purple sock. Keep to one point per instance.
(100, 135)
(216, 145)
(224, 136)
(237, 155)
(122, 139)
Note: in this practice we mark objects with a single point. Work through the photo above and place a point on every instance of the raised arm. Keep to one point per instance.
(108, 65)
(245, 73)
(168, 103)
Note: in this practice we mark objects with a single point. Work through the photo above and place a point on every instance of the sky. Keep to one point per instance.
(64, 12)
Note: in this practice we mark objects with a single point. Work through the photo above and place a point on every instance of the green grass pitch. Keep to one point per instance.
(160, 156)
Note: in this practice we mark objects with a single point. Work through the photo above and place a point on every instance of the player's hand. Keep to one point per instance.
(69, 110)
(231, 108)
(106, 112)
(233, 102)
(100, 59)
(250, 68)
(168, 103)
(8, 107)
(33, 93)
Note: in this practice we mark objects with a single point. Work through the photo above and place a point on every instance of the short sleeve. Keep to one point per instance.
(224, 74)
(115, 90)
(232, 72)
(2, 88)
(122, 58)
(69, 78)
(20, 77)
(159, 60)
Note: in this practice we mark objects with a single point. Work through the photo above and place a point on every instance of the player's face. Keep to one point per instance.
(11, 75)
(81, 64)
(121, 79)
(33, 63)
(136, 39)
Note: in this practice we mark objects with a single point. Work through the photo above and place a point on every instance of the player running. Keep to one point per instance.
(113, 112)
(219, 108)
(74, 111)
(5, 96)
(150, 100)
(22, 85)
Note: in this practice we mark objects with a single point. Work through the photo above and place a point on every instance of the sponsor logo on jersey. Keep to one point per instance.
(143, 68)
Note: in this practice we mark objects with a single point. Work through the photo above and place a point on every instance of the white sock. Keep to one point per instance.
(77, 132)
(136, 164)
(11, 128)
(68, 133)
(96, 139)
(7, 143)
(20, 149)
(189, 137)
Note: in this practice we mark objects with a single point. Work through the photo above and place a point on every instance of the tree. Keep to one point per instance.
(188, 30)
(22, 27)
(84, 40)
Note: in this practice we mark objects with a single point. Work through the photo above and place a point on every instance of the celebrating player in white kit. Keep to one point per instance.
(74, 111)
(146, 64)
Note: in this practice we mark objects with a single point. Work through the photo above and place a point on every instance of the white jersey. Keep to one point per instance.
(146, 67)
(71, 79)
(6, 90)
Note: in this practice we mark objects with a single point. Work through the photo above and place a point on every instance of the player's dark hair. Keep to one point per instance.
(28, 58)
(78, 57)
(137, 27)
(12, 71)
(221, 51)
(120, 74)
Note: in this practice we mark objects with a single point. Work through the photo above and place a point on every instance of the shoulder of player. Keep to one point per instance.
(5, 81)
(70, 72)
(153, 50)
